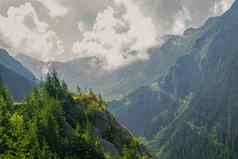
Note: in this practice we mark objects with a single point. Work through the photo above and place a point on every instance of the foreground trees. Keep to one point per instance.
(52, 124)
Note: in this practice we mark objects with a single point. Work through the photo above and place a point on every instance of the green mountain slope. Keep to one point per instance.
(157, 103)
(52, 123)
(193, 114)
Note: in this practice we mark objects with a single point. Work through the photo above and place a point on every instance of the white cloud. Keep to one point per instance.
(36, 41)
(181, 21)
(116, 31)
(56, 9)
(221, 7)
(118, 39)
(82, 27)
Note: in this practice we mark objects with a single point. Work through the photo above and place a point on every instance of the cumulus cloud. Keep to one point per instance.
(117, 32)
(23, 32)
(118, 39)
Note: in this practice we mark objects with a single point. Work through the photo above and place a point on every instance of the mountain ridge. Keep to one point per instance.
(115, 84)
(18, 79)
(199, 120)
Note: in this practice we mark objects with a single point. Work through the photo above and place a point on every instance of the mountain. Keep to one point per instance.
(153, 101)
(9, 62)
(88, 73)
(192, 111)
(53, 123)
(36, 67)
(17, 78)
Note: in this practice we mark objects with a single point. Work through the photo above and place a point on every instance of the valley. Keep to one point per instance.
(179, 103)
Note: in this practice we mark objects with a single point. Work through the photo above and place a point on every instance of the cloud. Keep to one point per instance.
(23, 32)
(117, 32)
(182, 20)
(221, 6)
(82, 27)
(56, 9)
(118, 38)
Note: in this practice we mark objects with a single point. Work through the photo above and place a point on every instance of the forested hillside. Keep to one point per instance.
(53, 123)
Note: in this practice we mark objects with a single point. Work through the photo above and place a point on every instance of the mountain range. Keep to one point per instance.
(182, 102)
(114, 84)
(191, 112)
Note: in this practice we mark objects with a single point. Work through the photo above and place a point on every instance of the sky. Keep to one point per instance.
(116, 32)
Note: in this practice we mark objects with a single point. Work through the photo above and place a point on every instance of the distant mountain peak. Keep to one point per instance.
(9, 62)
(17, 78)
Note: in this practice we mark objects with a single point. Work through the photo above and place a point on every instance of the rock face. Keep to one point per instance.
(17, 79)
(195, 110)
